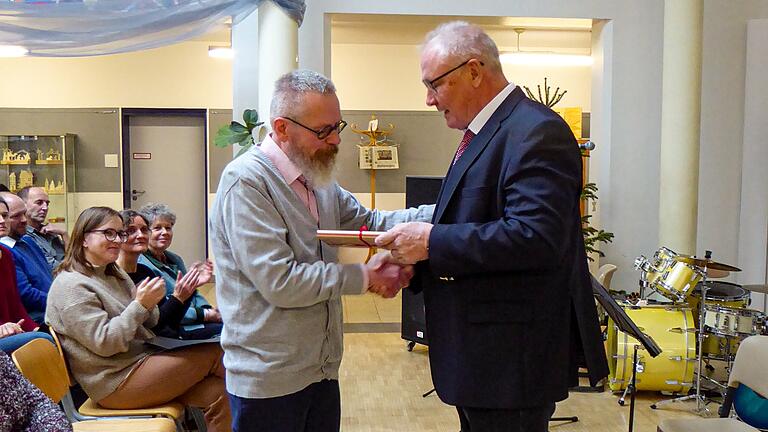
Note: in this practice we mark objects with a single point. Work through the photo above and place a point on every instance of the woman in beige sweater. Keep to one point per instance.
(103, 321)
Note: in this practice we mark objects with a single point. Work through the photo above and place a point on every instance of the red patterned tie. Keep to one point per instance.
(468, 135)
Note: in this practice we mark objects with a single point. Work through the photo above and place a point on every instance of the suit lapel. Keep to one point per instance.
(473, 151)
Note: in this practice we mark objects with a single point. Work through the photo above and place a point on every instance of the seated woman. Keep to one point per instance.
(200, 321)
(172, 307)
(103, 320)
(16, 326)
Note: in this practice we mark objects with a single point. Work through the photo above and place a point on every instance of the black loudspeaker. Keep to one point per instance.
(418, 190)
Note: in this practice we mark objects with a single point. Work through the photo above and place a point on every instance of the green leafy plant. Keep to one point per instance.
(239, 134)
(592, 236)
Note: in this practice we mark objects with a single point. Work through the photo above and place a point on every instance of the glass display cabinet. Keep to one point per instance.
(46, 161)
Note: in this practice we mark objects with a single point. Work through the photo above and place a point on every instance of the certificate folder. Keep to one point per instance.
(171, 343)
(349, 238)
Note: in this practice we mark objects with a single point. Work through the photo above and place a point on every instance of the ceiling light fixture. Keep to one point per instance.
(13, 51)
(225, 52)
(539, 58)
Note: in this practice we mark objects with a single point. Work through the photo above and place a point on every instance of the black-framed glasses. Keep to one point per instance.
(430, 84)
(112, 235)
(325, 131)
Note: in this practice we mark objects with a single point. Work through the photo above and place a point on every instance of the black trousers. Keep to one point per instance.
(316, 408)
(506, 420)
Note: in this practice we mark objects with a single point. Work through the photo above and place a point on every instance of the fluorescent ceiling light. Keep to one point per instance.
(545, 59)
(13, 51)
(224, 52)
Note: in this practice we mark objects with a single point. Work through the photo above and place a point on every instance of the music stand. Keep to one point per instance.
(626, 325)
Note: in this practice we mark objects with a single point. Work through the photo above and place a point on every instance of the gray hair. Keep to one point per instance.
(153, 211)
(289, 89)
(462, 40)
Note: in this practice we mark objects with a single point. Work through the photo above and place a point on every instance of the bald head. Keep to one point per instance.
(17, 219)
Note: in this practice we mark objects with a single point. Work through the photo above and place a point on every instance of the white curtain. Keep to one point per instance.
(66, 28)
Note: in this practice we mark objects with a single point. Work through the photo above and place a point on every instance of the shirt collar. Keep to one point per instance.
(277, 156)
(482, 117)
(8, 241)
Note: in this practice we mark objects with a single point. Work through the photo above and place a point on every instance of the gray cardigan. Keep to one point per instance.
(278, 288)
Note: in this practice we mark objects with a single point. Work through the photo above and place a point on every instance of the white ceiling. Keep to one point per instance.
(572, 35)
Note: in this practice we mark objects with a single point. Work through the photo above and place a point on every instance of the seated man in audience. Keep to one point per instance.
(16, 327)
(33, 276)
(50, 237)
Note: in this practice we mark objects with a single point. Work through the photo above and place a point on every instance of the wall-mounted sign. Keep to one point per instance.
(142, 155)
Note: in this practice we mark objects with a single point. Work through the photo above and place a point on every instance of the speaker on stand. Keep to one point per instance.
(418, 190)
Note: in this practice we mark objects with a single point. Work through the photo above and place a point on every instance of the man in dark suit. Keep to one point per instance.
(509, 306)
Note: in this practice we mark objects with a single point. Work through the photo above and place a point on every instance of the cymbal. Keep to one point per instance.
(708, 263)
(756, 288)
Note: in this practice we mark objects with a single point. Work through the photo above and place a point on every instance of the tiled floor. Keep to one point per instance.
(370, 308)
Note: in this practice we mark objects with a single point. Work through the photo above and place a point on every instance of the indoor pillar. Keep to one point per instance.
(680, 125)
(278, 50)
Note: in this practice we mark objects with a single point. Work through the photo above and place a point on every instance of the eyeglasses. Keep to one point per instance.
(430, 84)
(134, 230)
(324, 132)
(112, 235)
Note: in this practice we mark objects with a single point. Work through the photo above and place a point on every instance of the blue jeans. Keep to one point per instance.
(316, 408)
(11, 343)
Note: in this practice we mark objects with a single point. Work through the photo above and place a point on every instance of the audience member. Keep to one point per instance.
(173, 306)
(50, 237)
(33, 276)
(103, 320)
(16, 326)
(201, 320)
(23, 407)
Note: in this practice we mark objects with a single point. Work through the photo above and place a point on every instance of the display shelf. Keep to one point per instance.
(45, 161)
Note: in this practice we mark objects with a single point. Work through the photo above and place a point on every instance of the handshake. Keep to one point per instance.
(386, 277)
(388, 272)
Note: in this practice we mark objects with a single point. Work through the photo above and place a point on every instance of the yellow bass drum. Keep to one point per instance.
(672, 328)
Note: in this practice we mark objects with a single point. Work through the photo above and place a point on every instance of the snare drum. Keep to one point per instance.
(731, 322)
(723, 294)
(672, 370)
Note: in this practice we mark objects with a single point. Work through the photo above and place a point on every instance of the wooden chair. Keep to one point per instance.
(749, 370)
(41, 364)
(91, 410)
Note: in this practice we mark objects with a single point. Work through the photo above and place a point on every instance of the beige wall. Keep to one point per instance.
(387, 77)
(177, 76)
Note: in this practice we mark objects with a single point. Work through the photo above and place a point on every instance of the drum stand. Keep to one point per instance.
(701, 401)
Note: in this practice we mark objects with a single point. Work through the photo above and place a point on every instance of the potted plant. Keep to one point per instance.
(240, 134)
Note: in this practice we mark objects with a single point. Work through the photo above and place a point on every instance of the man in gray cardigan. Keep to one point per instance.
(279, 288)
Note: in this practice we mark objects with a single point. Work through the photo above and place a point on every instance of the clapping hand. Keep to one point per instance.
(409, 242)
(10, 328)
(150, 291)
(186, 284)
(206, 271)
(385, 277)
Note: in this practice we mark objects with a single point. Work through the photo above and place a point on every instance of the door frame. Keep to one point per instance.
(125, 119)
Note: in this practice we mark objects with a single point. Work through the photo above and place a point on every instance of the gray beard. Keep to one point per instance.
(318, 173)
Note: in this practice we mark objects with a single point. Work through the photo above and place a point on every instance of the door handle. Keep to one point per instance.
(135, 194)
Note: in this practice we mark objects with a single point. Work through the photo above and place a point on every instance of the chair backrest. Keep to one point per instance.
(605, 274)
(39, 361)
(749, 366)
(61, 353)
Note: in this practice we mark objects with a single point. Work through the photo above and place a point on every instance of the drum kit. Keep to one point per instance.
(704, 320)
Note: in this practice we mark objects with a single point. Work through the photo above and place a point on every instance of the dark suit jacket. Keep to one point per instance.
(506, 288)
